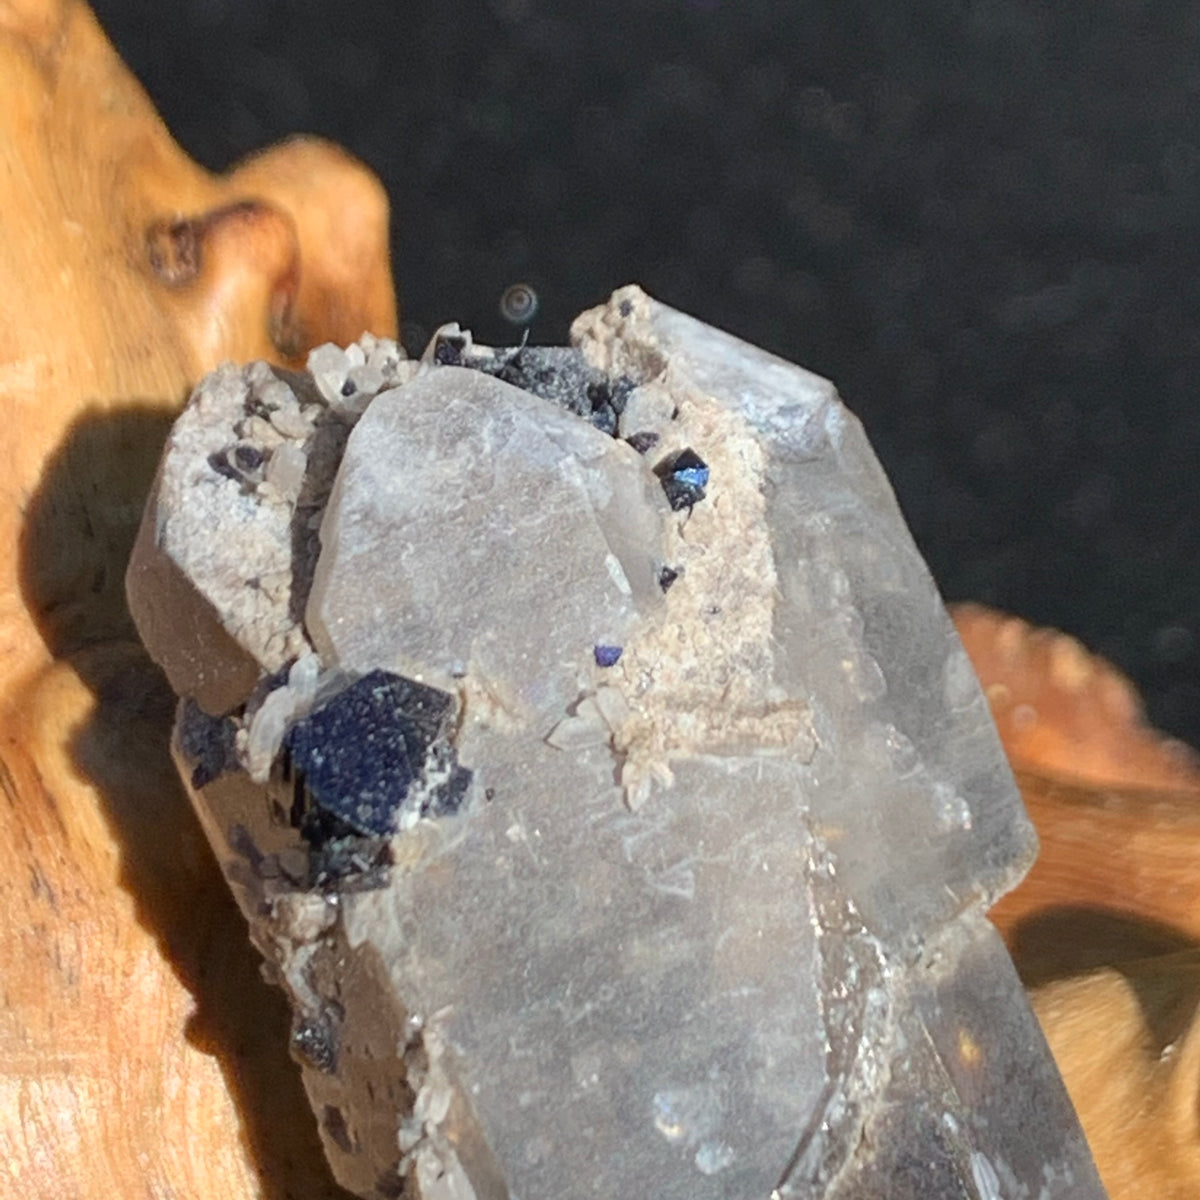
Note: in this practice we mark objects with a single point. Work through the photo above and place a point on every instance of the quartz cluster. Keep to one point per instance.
(586, 743)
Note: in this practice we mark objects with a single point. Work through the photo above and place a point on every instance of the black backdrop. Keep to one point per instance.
(980, 219)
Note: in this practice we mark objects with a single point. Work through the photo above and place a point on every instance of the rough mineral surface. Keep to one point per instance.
(606, 785)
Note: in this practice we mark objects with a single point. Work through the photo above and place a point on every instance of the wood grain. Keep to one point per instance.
(141, 1055)
(1106, 927)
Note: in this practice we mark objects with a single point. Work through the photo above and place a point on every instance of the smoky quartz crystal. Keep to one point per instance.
(600, 775)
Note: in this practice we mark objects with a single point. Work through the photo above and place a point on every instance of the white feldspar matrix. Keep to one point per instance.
(587, 745)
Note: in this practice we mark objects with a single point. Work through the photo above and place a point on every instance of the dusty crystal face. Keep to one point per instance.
(521, 533)
(602, 778)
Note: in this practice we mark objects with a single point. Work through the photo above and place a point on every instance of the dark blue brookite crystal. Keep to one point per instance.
(378, 746)
(559, 374)
(606, 656)
(684, 477)
(207, 743)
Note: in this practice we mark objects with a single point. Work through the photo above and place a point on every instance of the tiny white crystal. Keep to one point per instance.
(285, 470)
(329, 365)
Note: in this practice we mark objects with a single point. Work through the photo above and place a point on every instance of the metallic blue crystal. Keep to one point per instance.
(357, 757)
(693, 476)
(684, 477)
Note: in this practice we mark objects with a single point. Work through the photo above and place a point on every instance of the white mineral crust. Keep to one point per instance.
(705, 921)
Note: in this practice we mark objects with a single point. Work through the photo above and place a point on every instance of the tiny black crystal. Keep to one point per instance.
(247, 457)
(219, 461)
(208, 743)
(643, 441)
(357, 759)
(315, 1043)
(559, 374)
(684, 477)
(666, 577)
(448, 352)
(446, 799)
(607, 398)
(241, 462)
(606, 656)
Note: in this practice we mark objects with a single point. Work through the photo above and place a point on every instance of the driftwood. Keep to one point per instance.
(1106, 928)
(140, 1054)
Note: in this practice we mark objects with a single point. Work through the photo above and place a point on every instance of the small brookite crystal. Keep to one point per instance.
(588, 748)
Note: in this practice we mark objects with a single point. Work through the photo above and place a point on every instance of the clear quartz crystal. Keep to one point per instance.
(702, 810)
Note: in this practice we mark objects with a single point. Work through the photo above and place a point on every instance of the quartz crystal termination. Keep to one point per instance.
(600, 775)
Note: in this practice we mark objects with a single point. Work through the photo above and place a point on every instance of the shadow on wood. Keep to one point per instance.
(140, 1054)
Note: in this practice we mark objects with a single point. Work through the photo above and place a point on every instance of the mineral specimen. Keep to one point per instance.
(589, 750)
(367, 754)
(684, 476)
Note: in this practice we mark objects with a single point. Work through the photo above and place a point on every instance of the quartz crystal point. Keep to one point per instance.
(587, 745)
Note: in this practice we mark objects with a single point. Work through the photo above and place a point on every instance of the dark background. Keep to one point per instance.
(979, 219)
